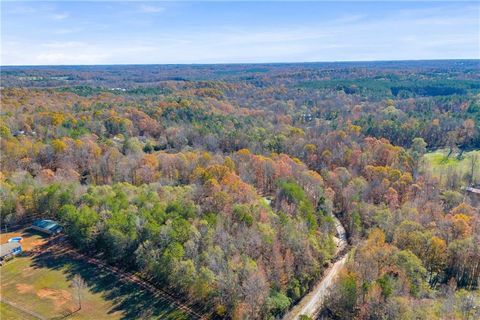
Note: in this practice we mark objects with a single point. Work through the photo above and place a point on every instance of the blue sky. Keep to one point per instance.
(111, 32)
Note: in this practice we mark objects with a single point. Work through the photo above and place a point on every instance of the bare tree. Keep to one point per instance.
(473, 164)
(79, 286)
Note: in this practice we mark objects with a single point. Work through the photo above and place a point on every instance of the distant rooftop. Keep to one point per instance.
(473, 190)
(7, 248)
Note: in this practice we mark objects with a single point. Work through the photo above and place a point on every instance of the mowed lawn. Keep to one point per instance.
(437, 164)
(42, 285)
(8, 312)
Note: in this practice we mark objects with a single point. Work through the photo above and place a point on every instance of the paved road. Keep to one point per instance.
(311, 304)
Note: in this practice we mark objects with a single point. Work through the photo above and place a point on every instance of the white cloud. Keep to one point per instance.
(64, 45)
(151, 9)
(60, 16)
(71, 52)
(54, 58)
(67, 30)
(414, 34)
(20, 9)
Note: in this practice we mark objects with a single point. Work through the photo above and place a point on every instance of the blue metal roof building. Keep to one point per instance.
(47, 226)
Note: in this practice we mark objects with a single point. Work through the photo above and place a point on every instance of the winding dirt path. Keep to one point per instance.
(311, 304)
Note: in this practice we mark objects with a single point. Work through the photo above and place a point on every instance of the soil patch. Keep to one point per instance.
(23, 288)
(58, 297)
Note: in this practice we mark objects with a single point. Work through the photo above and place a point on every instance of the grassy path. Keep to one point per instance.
(22, 309)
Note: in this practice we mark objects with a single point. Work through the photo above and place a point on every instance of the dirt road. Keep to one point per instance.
(311, 304)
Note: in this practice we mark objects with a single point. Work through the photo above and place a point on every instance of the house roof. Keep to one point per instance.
(7, 248)
(46, 224)
(473, 190)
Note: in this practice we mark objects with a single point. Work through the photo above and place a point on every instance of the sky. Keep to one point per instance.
(154, 32)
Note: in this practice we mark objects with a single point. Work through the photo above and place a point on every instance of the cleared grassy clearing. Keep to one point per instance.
(41, 284)
(451, 171)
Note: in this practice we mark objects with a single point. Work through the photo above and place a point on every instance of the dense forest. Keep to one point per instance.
(221, 181)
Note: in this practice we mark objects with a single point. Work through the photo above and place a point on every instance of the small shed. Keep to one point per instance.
(47, 226)
(473, 190)
(9, 250)
(474, 195)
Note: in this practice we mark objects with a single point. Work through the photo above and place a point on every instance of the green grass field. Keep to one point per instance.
(8, 312)
(438, 165)
(42, 285)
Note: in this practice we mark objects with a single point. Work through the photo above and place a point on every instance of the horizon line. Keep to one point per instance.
(237, 63)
